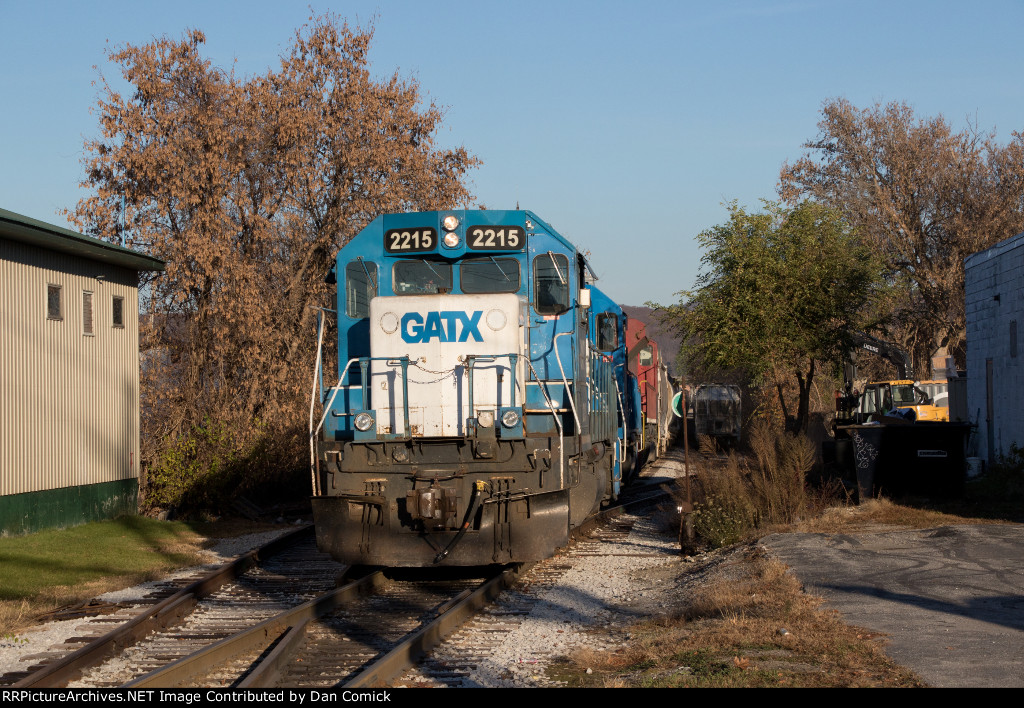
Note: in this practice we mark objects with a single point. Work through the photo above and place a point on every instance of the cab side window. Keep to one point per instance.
(551, 284)
(607, 331)
(360, 286)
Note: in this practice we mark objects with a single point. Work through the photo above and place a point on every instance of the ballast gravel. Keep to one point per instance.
(600, 587)
(609, 584)
(17, 651)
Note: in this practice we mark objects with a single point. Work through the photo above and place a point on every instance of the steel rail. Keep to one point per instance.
(290, 624)
(450, 618)
(165, 613)
(588, 525)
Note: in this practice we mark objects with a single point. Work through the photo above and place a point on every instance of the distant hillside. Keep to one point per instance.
(668, 342)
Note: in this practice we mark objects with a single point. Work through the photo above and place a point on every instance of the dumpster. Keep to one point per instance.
(922, 459)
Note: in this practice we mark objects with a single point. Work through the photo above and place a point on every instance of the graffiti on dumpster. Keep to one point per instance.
(864, 452)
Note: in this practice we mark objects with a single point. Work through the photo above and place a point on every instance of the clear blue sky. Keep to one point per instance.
(624, 124)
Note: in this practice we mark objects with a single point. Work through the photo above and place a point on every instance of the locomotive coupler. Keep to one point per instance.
(435, 506)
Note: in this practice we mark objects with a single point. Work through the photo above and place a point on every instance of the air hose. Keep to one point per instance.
(474, 504)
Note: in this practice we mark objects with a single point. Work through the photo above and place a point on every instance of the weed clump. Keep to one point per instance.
(740, 496)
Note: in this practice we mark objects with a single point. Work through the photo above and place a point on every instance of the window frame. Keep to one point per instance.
(409, 262)
(551, 258)
(498, 260)
(58, 290)
(599, 321)
(371, 278)
(89, 313)
(116, 319)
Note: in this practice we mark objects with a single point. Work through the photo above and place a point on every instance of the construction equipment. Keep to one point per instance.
(900, 397)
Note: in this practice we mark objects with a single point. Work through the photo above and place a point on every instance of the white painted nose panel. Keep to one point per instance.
(437, 333)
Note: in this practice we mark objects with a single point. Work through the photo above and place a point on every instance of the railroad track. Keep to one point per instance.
(361, 634)
(262, 624)
(282, 573)
(545, 606)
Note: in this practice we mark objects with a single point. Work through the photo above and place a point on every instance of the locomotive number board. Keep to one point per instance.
(495, 238)
(410, 240)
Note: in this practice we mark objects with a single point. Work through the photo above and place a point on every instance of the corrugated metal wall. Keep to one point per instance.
(69, 401)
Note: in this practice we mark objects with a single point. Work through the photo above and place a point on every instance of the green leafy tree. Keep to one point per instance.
(778, 296)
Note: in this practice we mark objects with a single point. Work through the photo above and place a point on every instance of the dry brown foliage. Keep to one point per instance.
(247, 187)
(924, 197)
(881, 515)
(750, 625)
(742, 493)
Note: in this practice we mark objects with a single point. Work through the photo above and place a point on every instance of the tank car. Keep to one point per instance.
(717, 412)
(480, 408)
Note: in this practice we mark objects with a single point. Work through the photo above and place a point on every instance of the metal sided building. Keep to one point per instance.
(69, 376)
(994, 300)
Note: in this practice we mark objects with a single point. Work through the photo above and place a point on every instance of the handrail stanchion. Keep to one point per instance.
(405, 396)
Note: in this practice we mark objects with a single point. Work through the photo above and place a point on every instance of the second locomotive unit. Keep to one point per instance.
(481, 407)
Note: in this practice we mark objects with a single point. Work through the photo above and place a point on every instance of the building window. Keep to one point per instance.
(87, 321)
(54, 311)
(117, 314)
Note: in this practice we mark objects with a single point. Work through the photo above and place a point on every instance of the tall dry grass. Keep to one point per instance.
(745, 493)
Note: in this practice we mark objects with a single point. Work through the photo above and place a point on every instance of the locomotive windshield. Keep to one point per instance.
(422, 277)
(489, 275)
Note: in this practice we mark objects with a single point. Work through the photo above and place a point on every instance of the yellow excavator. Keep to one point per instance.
(900, 397)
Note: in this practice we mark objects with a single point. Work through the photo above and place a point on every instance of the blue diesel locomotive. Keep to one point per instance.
(481, 407)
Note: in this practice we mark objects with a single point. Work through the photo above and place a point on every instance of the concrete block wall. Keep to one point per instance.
(994, 301)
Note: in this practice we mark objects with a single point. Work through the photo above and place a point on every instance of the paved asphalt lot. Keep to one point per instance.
(951, 599)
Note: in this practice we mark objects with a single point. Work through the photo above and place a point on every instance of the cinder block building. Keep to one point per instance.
(69, 376)
(994, 299)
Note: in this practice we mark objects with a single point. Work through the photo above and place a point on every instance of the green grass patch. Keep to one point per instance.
(131, 547)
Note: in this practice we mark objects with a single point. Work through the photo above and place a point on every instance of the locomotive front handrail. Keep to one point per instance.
(317, 375)
(313, 462)
(404, 362)
(470, 362)
(558, 424)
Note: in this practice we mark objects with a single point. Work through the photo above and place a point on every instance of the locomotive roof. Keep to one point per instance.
(479, 216)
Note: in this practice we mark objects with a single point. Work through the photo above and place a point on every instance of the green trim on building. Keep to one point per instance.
(68, 506)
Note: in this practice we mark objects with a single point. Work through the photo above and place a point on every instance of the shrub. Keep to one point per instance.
(722, 522)
(735, 498)
(213, 464)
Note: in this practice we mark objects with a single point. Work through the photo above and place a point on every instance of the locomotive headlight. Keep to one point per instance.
(510, 419)
(451, 239)
(485, 418)
(450, 222)
(363, 422)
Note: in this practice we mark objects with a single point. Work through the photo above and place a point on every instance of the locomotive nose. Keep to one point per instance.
(465, 356)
